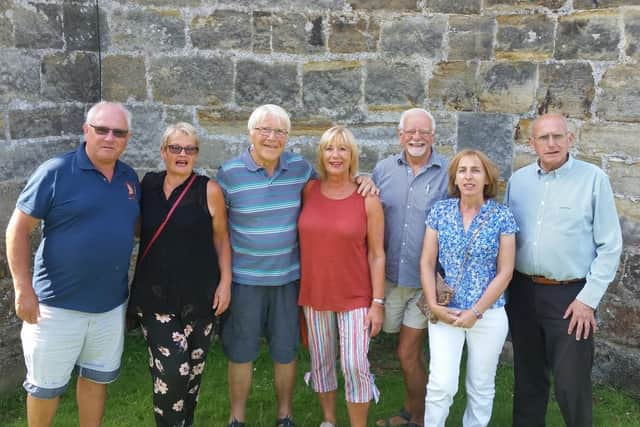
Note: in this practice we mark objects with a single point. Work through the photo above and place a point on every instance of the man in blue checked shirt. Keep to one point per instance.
(567, 253)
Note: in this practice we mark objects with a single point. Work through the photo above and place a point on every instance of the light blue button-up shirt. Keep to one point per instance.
(406, 200)
(569, 226)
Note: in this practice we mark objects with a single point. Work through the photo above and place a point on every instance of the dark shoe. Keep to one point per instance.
(285, 422)
(236, 423)
(402, 413)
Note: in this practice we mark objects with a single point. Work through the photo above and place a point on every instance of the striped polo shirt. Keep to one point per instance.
(263, 214)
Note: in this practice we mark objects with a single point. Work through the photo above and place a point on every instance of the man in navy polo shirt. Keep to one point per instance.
(73, 306)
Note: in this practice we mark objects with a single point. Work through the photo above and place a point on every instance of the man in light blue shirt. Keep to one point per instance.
(567, 253)
(410, 183)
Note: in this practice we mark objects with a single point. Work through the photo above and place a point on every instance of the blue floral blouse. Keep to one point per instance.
(480, 268)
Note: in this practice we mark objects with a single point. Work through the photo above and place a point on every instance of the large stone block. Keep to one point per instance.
(470, 37)
(491, 133)
(147, 127)
(606, 138)
(507, 87)
(80, 26)
(620, 99)
(524, 4)
(389, 5)
(258, 83)
(20, 76)
(221, 121)
(192, 80)
(353, 33)
(223, 29)
(588, 35)
(72, 76)
(38, 26)
(163, 29)
(26, 157)
(522, 38)
(123, 78)
(332, 88)
(624, 177)
(393, 86)
(619, 318)
(453, 86)
(617, 365)
(566, 88)
(629, 212)
(297, 33)
(459, 6)
(632, 33)
(262, 32)
(35, 123)
(6, 27)
(414, 35)
(600, 4)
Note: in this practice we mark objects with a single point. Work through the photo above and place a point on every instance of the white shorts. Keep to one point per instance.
(64, 340)
(400, 308)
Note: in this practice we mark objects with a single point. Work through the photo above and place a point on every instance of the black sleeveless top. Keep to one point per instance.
(180, 273)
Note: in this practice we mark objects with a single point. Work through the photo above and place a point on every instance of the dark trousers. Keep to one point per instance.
(541, 347)
(178, 348)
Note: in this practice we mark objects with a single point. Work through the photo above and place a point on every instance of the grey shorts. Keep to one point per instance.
(257, 311)
(400, 308)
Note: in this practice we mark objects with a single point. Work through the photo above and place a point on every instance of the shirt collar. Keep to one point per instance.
(561, 171)
(434, 160)
(253, 166)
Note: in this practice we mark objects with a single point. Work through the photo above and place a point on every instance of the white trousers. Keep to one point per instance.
(484, 345)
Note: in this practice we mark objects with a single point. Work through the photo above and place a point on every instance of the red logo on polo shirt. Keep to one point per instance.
(131, 190)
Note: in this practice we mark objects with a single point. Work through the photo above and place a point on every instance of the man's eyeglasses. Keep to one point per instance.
(279, 133)
(103, 130)
(421, 132)
(188, 150)
(549, 137)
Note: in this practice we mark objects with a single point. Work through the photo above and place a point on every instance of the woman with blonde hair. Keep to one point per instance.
(342, 276)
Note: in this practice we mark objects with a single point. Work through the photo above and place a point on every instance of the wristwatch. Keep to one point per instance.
(476, 312)
(379, 301)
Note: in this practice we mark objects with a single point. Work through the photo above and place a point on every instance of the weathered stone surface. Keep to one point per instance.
(262, 32)
(624, 178)
(20, 77)
(72, 118)
(470, 37)
(601, 4)
(522, 159)
(391, 5)
(620, 98)
(393, 86)
(38, 26)
(258, 83)
(297, 33)
(453, 86)
(521, 38)
(618, 139)
(525, 4)
(332, 88)
(27, 156)
(123, 78)
(414, 35)
(446, 130)
(70, 77)
(213, 152)
(318, 5)
(192, 80)
(35, 123)
(588, 35)
(147, 128)
(6, 27)
(565, 88)
(507, 87)
(173, 3)
(178, 114)
(223, 29)
(353, 33)
(629, 212)
(459, 6)
(163, 29)
(632, 33)
(491, 133)
(618, 366)
(80, 26)
(523, 132)
(619, 320)
(217, 121)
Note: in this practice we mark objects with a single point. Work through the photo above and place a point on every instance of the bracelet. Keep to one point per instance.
(476, 312)
(379, 301)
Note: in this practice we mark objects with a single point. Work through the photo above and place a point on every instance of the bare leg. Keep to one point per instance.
(91, 397)
(358, 414)
(239, 377)
(40, 412)
(328, 405)
(411, 354)
(284, 378)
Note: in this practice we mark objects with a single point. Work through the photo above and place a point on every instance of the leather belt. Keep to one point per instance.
(541, 280)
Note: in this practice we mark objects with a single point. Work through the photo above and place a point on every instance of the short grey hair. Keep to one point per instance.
(269, 109)
(416, 110)
(180, 127)
(97, 107)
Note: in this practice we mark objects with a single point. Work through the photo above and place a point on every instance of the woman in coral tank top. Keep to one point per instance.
(342, 284)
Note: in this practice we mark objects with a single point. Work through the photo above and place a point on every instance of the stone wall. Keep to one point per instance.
(484, 67)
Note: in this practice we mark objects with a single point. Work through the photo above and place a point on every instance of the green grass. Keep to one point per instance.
(129, 401)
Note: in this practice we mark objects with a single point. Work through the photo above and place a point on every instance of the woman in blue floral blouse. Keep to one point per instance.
(473, 237)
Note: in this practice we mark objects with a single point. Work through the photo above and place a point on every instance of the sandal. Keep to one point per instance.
(285, 422)
(236, 423)
(402, 413)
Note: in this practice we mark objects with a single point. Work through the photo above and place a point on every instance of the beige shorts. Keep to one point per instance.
(400, 308)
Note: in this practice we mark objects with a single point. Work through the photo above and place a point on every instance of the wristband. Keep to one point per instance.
(379, 301)
(476, 312)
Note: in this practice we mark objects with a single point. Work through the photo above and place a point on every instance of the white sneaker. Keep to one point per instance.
(327, 424)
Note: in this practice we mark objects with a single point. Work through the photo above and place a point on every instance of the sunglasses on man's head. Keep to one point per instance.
(103, 130)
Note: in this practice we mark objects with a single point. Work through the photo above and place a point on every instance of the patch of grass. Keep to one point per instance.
(129, 401)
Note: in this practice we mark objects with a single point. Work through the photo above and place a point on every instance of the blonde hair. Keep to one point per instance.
(490, 169)
(340, 136)
(180, 127)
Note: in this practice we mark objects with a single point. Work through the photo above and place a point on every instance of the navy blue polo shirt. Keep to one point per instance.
(88, 225)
